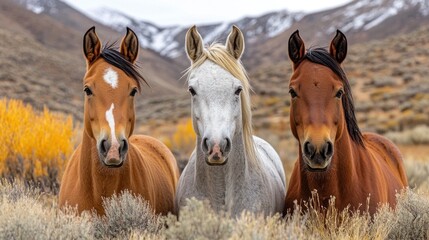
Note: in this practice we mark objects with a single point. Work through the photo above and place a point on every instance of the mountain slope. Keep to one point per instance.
(360, 20)
(41, 58)
(388, 78)
(42, 61)
(70, 25)
(169, 41)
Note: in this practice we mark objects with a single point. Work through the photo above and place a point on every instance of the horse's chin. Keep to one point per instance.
(219, 162)
(311, 168)
(112, 164)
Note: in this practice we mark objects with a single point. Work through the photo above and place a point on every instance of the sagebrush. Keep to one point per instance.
(28, 213)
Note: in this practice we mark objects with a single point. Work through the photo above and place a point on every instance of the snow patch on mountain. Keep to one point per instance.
(114, 19)
(39, 6)
(282, 21)
(367, 14)
(359, 15)
(167, 41)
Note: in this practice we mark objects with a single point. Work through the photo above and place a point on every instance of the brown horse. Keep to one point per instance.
(335, 158)
(109, 159)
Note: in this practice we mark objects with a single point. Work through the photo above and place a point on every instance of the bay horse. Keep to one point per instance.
(230, 167)
(335, 158)
(110, 158)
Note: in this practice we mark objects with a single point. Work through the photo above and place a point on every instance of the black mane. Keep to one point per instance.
(322, 57)
(114, 57)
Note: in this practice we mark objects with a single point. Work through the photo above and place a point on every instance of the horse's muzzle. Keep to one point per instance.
(113, 154)
(317, 158)
(216, 151)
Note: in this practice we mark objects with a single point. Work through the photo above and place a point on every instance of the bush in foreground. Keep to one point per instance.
(126, 214)
(26, 213)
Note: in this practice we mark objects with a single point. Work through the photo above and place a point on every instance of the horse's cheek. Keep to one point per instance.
(294, 121)
(339, 122)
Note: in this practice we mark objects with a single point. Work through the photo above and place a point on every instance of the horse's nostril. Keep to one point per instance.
(123, 149)
(328, 150)
(205, 145)
(227, 145)
(104, 147)
(309, 149)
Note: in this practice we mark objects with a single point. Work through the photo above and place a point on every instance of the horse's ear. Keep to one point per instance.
(235, 42)
(194, 44)
(338, 48)
(296, 48)
(91, 45)
(130, 46)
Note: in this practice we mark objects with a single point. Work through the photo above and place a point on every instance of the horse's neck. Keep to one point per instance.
(216, 181)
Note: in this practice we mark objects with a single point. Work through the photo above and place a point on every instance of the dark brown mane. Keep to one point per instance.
(321, 56)
(114, 57)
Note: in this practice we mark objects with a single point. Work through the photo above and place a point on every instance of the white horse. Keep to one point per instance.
(230, 167)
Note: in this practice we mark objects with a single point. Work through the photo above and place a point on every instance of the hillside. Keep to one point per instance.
(361, 20)
(42, 63)
(41, 58)
(389, 83)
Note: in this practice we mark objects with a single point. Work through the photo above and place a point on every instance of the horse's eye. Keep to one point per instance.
(192, 91)
(133, 92)
(238, 91)
(87, 91)
(339, 93)
(293, 93)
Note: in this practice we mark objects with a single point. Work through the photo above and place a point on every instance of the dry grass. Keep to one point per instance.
(126, 215)
(25, 216)
(26, 212)
(416, 135)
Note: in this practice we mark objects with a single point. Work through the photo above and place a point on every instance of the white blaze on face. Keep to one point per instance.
(111, 120)
(111, 77)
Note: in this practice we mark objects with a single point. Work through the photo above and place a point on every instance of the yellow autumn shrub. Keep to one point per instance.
(183, 138)
(35, 145)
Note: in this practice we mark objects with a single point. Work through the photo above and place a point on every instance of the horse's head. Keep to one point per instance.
(217, 93)
(320, 99)
(110, 84)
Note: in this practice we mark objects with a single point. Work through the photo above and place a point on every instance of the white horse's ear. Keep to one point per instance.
(91, 45)
(235, 42)
(130, 46)
(194, 44)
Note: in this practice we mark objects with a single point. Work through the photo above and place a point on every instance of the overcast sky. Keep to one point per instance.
(186, 12)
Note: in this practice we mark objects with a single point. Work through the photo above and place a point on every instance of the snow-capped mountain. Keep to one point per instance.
(356, 17)
(360, 20)
(168, 41)
(151, 36)
(367, 14)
